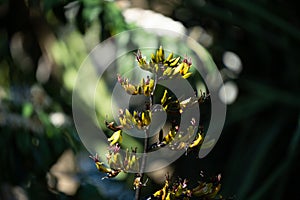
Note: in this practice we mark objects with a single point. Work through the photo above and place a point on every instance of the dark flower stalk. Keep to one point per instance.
(162, 69)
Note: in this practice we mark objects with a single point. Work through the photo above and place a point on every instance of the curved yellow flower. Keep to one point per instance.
(197, 142)
(116, 137)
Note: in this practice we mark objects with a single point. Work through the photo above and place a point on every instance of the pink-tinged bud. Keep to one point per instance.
(187, 60)
(193, 121)
(219, 177)
(138, 55)
(114, 148)
(120, 80)
(95, 158)
(147, 80)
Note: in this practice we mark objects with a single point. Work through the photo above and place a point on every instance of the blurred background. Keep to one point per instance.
(255, 45)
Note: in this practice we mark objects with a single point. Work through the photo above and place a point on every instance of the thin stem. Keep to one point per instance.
(152, 93)
(146, 144)
(143, 165)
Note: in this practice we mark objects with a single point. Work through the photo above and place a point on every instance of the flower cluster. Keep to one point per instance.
(162, 67)
(171, 105)
(178, 140)
(117, 162)
(145, 87)
(207, 190)
(168, 67)
(139, 120)
(186, 137)
(102, 168)
(125, 163)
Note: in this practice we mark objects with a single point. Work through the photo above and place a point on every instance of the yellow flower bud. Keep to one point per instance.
(187, 75)
(146, 117)
(116, 137)
(164, 98)
(170, 56)
(197, 141)
(174, 61)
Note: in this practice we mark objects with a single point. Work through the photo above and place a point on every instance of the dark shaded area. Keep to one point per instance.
(259, 146)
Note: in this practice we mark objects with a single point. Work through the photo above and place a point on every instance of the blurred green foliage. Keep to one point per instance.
(43, 43)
